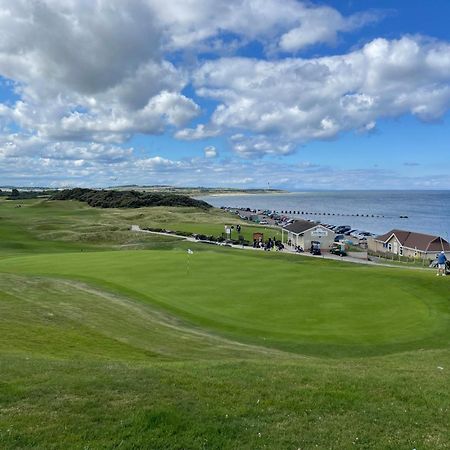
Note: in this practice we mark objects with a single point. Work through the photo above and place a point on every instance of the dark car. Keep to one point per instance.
(342, 229)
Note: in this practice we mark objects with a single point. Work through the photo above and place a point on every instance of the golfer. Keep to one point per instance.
(442, 259)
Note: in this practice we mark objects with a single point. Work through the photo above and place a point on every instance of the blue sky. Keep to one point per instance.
(329, 94)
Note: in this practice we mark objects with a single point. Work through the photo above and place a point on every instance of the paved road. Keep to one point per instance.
(350, 258)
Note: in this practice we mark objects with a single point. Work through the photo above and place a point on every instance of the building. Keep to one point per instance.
(408, 244)
(302, 232)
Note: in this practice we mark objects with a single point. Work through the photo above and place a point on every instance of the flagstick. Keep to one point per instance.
(189, 252)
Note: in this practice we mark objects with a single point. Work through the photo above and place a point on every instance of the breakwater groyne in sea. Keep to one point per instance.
(374, 211)
(306, 213)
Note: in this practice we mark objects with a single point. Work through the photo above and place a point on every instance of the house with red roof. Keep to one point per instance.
(409, 244)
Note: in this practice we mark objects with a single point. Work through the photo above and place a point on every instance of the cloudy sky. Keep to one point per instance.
(329, 94)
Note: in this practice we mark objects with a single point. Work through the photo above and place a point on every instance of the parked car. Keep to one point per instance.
(264, 222)
(342, 228)
(339, 237)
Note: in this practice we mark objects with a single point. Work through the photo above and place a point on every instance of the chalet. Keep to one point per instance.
(302, 232)
(408, 244)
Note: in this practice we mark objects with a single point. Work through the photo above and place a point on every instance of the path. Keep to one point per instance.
(350, 259)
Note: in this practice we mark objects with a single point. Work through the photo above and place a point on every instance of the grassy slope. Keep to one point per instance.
(301, 305)
(84, 368)
(50, 226)
(54, 227)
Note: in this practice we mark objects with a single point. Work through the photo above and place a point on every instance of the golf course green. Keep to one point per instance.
(299, 305)
(113, 339)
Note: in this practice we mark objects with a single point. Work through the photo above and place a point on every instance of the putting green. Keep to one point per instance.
(297, 304)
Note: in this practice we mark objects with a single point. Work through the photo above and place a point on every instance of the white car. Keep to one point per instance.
(264, 222)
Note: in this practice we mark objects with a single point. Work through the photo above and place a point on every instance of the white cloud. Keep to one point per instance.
(251, 146)
(18, 146)
(45, 171)
(296, 100)
(210, 152)
(89, 75)
(291, 24)
(97, 70)
(321, 25)
(90, 70)
(199, 132)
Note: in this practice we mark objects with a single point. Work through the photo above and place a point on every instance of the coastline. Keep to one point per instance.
(241, 193)
(373, 211)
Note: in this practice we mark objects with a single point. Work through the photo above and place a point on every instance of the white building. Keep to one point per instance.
(302, 232)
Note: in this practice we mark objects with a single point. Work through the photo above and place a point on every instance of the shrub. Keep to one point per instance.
(127, 199)
(183, 233)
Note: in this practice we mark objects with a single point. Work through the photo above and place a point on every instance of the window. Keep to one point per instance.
(390, 247)
(401, 251)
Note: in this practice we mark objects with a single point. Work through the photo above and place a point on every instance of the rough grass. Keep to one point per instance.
(389, 403)
(55, 226)
(131, 350)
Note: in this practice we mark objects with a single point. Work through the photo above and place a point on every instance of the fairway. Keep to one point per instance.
(295, 304)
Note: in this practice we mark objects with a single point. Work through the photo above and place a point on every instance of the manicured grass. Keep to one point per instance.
(66, 320)
(222, 349)
(301, 305)
(84, 369)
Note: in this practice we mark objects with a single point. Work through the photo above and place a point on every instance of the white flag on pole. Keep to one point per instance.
(190, 252)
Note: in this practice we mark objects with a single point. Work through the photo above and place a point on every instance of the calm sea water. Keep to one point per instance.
(427, 211)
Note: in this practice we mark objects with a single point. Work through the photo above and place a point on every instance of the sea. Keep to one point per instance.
(374, 211)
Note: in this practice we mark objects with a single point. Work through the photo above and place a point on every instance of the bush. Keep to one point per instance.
(127, 199)
(183, 233)
(23, 195)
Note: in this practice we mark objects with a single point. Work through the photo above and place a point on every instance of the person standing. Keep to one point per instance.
(442, 259)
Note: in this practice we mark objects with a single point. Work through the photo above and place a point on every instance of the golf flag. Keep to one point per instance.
(190, 252)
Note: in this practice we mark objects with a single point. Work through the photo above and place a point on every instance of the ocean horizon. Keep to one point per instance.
(377, 211)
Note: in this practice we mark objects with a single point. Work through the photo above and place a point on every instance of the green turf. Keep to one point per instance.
(300, 305)
(43, 226)
(228, 349)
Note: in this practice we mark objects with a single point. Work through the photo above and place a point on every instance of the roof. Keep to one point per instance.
(300, 226)
(419, 241)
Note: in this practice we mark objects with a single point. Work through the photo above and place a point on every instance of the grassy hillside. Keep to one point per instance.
(230, 349)
(44, 226)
